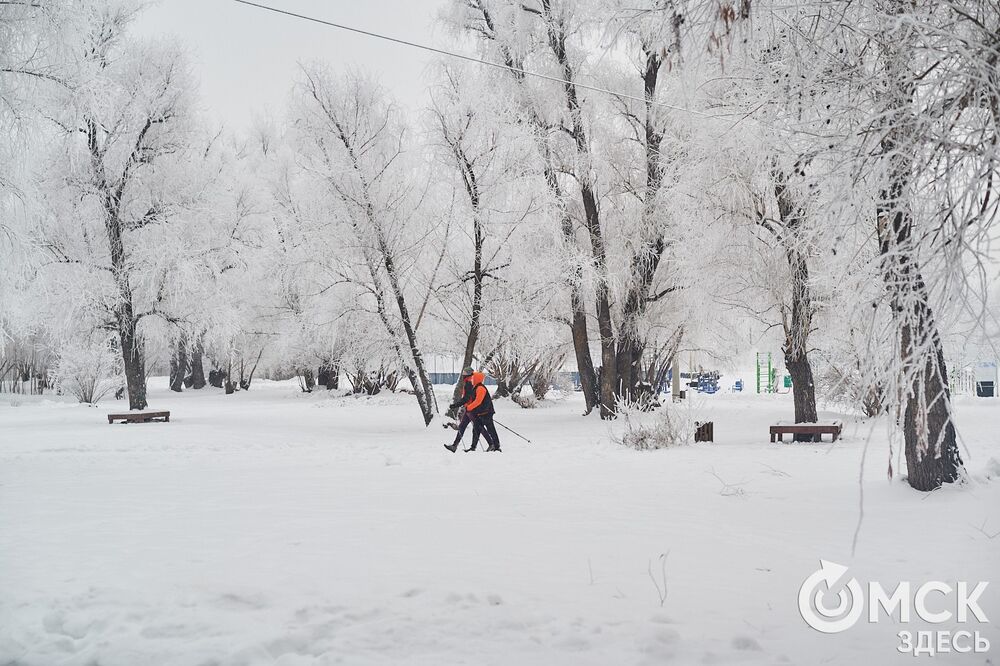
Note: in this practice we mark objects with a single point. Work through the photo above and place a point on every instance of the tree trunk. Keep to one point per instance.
(646, 259)
(798, 323)
(503, 388)
(228, 381)
(932, 455)
(609, 375)
(178, 364)
(329, 376)
(419, 383)
(124, 311)
(468, 356)
(217, 378)
(581, 350)
(472, 189)
(419, 378)
(803, 388)
(135, 367)
(247, 379)
(197, 364)
(578, 306)
(308, 380)
(578, 311)
(416, 372)
(608, 385)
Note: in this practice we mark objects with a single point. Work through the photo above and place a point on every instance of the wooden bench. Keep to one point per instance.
(704, 432)
(139, 417)
(816, 430)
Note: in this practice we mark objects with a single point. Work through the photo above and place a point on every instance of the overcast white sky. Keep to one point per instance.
(245, 58)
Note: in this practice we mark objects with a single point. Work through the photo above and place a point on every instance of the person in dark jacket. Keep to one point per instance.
(463, 422)
(478, 409)
(464, 419)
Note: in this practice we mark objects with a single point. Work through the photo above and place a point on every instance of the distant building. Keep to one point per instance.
(986, 378)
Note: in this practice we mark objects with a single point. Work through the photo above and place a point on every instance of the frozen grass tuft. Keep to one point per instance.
(670, 427)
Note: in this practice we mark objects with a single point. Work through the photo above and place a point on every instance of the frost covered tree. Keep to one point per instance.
(489, 160)
(210, 260)
(615, 216)
(512, 34)
(914, 125)
(122, 125)
(357, 148)
(936, 119)
(658, 49)
(781, 176)
(35, 40)
(305, 260)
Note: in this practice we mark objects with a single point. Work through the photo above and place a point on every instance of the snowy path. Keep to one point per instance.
(276, 528)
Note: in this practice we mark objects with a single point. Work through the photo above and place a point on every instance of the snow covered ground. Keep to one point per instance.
(273, 527)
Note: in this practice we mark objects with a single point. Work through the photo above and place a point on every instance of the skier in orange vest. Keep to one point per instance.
(478, 410)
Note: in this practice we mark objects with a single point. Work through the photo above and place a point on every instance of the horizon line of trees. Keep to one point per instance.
(816, 176)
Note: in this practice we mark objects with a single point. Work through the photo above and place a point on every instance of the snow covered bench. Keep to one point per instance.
(816, 430)
(139, 417)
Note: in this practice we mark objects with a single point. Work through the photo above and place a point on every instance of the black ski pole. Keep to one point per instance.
(513, 431)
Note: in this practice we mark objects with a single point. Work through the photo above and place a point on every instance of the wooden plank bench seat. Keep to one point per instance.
(817, 430)
(139, 417)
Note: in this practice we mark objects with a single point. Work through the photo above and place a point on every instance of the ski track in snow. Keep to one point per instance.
(272, 527)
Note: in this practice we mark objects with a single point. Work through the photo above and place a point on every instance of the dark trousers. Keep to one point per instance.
(484, 424)
(462, 425)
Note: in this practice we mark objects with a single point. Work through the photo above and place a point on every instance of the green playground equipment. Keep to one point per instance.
(766, 375)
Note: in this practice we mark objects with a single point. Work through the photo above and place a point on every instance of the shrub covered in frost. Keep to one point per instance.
(525, 398)
(89, 370)
(671, 426)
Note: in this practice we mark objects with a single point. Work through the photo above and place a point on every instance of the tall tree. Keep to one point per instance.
(487, 157)
(359, 144)
(908, 53)
(126, 117)
(555, 18)
(499, 26)
(654, 30)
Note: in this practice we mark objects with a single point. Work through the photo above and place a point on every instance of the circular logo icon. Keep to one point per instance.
(829, 602)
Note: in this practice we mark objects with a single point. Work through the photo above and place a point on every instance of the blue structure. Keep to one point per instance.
(708, 383)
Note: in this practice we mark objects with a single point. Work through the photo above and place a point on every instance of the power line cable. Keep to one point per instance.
(463, 56)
